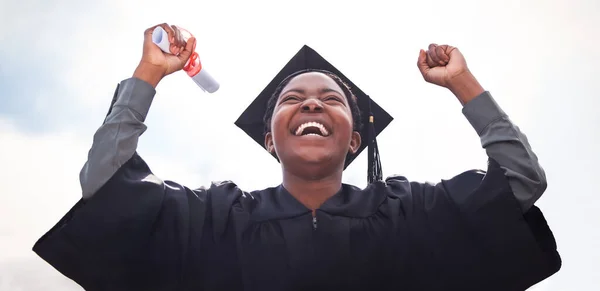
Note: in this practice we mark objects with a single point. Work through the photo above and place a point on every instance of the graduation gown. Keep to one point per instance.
(141, 233)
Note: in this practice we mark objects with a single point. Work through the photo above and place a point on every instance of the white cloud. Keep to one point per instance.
(537, 58)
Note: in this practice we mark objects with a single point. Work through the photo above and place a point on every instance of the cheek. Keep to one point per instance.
(279, 122)
(344, 121)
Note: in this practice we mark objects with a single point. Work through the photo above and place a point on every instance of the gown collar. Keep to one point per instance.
(349, 201)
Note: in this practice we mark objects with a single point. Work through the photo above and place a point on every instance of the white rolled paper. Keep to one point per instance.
(203, 79)
(161, 39)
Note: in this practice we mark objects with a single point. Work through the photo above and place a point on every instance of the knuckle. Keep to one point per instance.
(166, 27)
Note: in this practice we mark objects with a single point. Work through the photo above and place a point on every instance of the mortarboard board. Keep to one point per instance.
(374, 118)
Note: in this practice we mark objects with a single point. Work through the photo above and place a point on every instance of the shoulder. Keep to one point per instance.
(473, 187)
(222, 195)
(470, 193)
(401, 186)
(466, 181)
(457, 188)
(217, 189)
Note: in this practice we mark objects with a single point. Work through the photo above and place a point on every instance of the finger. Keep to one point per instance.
(176, 44)
(434, 56)
(450, 51)
(148, 32)
(190, 47)
(430, 61)
(180, 40)
(422, 63)
(441, 53)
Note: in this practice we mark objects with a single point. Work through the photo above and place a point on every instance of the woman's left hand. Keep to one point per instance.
(445, 66)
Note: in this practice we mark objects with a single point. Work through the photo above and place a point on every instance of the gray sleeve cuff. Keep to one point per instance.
(136, 95)
(482, 111)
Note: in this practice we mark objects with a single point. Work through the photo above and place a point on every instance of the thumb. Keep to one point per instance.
(190, 46)
(422, 63)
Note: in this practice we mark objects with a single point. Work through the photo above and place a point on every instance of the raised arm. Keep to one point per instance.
(503, 141)
(131, 230)
(115, 142)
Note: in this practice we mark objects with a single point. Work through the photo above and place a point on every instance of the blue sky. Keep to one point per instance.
(61, 60)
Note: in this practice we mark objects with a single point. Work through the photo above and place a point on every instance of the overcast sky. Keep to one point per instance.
(61, 60)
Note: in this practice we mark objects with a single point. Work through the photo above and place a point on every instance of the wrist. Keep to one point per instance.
(149, 73)
(465, 87)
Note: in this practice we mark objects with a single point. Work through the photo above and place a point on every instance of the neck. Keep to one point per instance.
(312, 192)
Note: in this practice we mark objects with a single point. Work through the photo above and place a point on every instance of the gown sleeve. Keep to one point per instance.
(470, 233)
(504, 142)
(130, 230)
(132, 234)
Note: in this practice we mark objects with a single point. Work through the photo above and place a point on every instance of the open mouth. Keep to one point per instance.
(311, 129)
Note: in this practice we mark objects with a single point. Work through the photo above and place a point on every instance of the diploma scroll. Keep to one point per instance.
(193, 67)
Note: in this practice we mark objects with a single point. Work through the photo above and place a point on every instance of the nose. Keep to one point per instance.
(312, 105)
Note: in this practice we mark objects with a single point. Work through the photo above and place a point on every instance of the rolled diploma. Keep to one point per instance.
(203, 79)
(161, 39)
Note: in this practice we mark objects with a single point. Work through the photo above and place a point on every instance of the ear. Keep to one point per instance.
(269, 143)
(355, 142)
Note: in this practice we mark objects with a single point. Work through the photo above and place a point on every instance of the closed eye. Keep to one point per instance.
(333, 98)
(291, 98)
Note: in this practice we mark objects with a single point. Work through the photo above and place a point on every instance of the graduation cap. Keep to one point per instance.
(374, 118)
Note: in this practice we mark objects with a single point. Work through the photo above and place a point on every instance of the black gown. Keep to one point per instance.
(141, 233)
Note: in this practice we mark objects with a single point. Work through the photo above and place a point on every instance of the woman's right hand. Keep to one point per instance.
(155, 64)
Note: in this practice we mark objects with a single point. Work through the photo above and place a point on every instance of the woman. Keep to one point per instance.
(476, 231)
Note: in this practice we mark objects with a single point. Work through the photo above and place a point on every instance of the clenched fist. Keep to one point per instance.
(155, 64)
(445, 66)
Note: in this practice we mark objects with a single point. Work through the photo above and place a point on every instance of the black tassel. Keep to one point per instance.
(374, 172)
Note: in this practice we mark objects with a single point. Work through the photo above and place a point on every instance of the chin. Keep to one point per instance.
(313, 156)
(318, 161)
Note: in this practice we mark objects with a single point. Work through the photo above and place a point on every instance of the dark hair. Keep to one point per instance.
(352, 101)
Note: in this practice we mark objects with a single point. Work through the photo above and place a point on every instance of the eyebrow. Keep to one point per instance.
(327, 90)
(301, 91)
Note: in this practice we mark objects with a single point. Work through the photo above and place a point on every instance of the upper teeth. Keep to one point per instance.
(301, 128)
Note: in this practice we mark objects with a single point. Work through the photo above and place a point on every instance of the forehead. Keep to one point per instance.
(312, 80)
